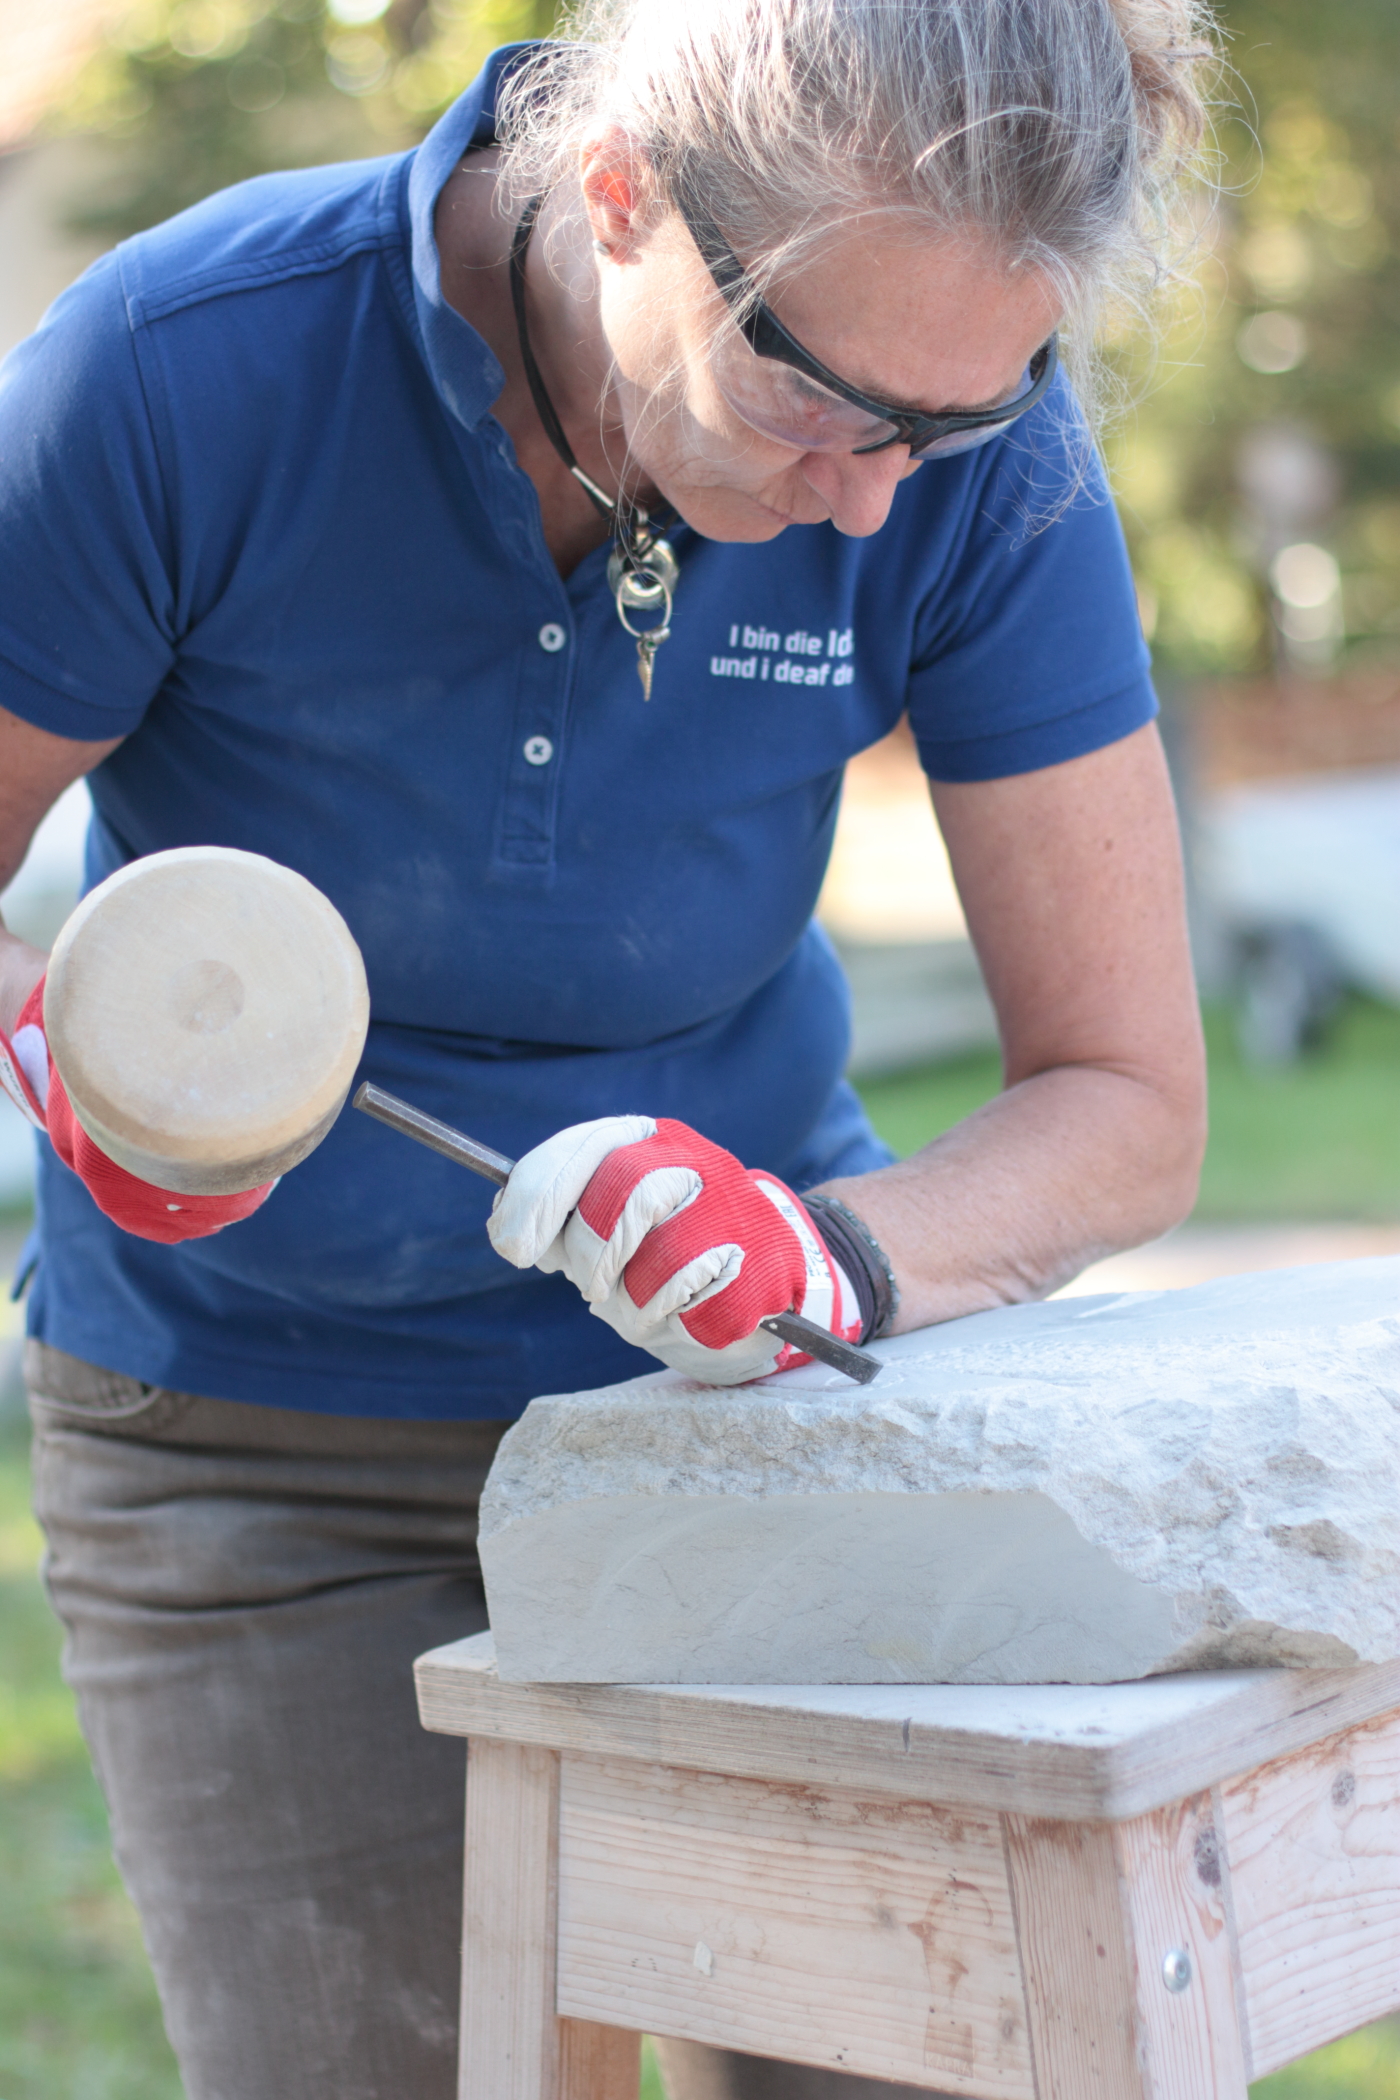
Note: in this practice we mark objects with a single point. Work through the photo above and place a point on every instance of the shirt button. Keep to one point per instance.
(538, 749)
(552, 638)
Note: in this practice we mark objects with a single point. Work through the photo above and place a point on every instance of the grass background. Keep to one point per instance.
(78, 2012)
(1315, 1141)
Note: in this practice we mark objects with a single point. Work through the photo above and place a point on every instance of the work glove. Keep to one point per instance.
(676, 1245)
(31, 1079)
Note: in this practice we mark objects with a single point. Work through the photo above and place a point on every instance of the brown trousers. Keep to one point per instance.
(244, 1590)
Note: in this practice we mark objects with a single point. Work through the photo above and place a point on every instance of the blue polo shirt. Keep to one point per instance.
(256, 518)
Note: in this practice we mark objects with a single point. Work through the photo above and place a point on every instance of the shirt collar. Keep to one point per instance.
(466, 374)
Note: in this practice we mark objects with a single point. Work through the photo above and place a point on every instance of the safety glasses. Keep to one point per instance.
(785, 393)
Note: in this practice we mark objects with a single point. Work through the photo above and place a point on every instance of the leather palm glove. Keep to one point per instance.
(675, 1244)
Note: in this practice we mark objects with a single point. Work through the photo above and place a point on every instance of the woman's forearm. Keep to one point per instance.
(1071, 880)
(1068, 1166)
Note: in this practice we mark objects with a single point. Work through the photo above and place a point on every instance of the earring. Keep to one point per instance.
(601, 248)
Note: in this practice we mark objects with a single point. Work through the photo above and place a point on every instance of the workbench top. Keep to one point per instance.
(1082, 1753)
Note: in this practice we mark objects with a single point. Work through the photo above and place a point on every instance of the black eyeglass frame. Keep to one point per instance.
(767, 337)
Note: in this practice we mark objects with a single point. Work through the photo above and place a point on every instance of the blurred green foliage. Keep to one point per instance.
(1366, 2066)
(1312, 1141)
(1289, 318)
(1292, 321)
(191, 95)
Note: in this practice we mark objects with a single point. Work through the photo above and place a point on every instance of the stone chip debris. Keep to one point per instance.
(1077, 1492)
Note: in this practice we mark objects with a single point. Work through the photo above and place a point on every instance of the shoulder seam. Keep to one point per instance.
(149, 410)
(374, 233)
(252, 276)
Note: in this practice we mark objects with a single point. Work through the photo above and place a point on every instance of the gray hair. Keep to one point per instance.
(1057, 129)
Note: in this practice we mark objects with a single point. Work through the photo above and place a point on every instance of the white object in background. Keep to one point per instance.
(1079, 1492)
(16, 1157)
(1322, 851)
(1196, 1253)
(889, 878)
(912, 1002)
(35, 905)
(892, 908)
(52, 873)
(36, 185)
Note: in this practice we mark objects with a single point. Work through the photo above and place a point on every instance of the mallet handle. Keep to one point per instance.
(494, 1166)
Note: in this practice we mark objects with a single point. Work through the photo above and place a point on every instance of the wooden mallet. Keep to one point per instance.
(206, 1010)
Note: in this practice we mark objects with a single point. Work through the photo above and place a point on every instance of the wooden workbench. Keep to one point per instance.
(1152, 1891)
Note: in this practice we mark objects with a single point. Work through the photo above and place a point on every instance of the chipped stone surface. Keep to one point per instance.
(1080, 1492)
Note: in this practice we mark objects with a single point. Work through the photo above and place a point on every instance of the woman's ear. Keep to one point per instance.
(613, 176)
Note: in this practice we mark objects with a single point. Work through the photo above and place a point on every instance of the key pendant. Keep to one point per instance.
(645, 583)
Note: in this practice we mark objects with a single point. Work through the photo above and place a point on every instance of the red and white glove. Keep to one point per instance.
(31, 1079)
(676, 1245)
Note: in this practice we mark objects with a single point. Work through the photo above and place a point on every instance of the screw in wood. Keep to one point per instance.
(1176, 1968)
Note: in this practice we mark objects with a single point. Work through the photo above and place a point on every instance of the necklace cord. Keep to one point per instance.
(642, 568)
(544, 407)
(632, 525)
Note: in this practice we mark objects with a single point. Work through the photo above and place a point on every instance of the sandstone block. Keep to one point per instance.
(1079, 1492)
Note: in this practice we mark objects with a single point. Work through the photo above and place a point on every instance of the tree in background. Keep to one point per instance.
(1259, 474)
(190, 95)
(1259, 478)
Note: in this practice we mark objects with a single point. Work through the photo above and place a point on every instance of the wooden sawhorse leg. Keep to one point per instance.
(1131, 1987)
(514, 2046)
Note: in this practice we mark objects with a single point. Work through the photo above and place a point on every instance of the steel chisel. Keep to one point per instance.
(494, 1166)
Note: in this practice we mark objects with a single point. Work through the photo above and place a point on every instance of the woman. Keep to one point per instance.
(330, 521)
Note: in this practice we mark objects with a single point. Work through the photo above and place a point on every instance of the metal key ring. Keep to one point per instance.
(654, 635)
(660, 593)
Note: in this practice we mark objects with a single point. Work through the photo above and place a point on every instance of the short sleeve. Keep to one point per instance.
(86, 601)
(1028, 649)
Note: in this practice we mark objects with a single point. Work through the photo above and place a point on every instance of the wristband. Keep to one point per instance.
(864, 1260)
